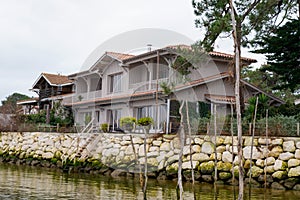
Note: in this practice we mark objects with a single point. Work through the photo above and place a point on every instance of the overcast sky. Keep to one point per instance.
(57, 36)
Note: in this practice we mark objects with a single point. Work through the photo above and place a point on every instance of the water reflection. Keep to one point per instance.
(20, 182)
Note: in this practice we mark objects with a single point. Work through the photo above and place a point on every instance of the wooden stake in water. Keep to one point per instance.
(252, 140)
(231, 130)
(267, 146)
(215, 133)
(190, 139)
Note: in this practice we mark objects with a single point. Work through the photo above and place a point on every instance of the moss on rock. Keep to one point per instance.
(207, 167)
(225, 175)
(225, 167)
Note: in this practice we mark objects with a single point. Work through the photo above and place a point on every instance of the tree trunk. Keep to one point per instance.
(236, 25)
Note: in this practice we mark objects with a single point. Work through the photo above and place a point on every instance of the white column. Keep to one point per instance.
(168, 115)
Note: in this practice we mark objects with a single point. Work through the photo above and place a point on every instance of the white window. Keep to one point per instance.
(150, 111)
(114, 117)
(115, 83)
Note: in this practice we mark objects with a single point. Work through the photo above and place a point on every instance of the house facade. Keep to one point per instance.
(49, 88)
(52, 87)
(152, 83)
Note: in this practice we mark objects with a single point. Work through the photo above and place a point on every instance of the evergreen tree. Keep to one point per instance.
(282, 50)
(242, 19)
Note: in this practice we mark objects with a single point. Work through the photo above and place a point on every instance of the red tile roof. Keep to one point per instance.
(57, 79)
(119, 56)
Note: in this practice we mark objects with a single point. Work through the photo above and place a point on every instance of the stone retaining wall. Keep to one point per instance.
(123, 154)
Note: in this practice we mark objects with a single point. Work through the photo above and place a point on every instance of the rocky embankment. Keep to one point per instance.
(275, 161)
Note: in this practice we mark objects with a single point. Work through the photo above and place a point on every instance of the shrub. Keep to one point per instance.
(127, 123)
(104, 127)
(145, 121)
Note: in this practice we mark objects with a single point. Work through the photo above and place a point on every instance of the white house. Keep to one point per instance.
(120, 85)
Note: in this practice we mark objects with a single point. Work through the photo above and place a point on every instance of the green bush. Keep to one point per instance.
(104, 127)
(278, 125)
(145, 121)
(127, 123)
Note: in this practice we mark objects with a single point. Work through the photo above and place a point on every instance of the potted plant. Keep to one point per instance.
(128, 123)
(145, 122)
(104, 127)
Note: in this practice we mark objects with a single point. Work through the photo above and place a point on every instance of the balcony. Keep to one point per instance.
(147, 85)
(77, 97)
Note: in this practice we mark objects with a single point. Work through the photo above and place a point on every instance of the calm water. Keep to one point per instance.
(20, 182)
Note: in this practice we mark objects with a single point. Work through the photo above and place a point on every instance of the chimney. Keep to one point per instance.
(149, 47)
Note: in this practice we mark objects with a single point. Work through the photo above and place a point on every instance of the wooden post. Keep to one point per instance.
(252, 140)
(207, 128)
(250, 128)
(267, 147)
(57, 127)
(215, 133)
(298, 129)
(232, 141)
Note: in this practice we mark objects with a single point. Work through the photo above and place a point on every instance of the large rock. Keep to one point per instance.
(294, 172)
(280, 165)
(221, 149)
(225, 167)
(207, 167)
(280, 175)
(289, 146)
(248, 141)
(286, 156)
(297, 154)
(152, 161)
(47, 155)
(256, 171)
(156, 143)
(277, 186)
(227, 157)
(293, 163)
(264, 141)
(225, 175)
(298, 145)
(290, 182)
(142, 151)
(270, 161)
(233, 150)
(187, 165)
(219, 140)
(270, 169)
(260, 163)
(186, 150)
(276, 151)
(165, 146)
(201, 157)
(277, 141)
(228, 140)
(175, 143)
(208, 148)
(172, 159)
(255, 154)
(196, 148)
(212, 156)
(198, 141)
